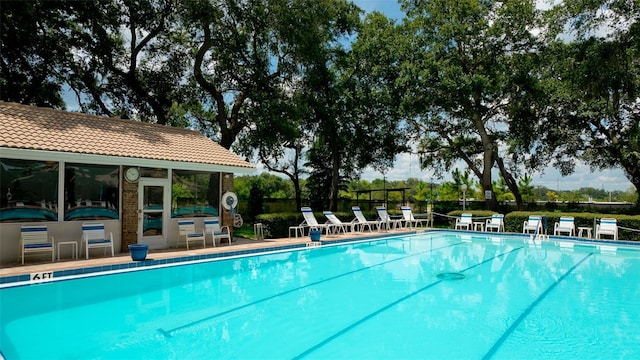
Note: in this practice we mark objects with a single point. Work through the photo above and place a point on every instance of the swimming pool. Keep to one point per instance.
(434, 295)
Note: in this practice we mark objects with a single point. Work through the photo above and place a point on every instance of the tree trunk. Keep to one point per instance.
(335, 180)
(511, 182)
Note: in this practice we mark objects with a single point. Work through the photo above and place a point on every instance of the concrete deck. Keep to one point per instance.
(34, 264)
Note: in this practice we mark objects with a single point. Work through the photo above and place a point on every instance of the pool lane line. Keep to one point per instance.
(389, 306)
(529, 309)
(168, 333)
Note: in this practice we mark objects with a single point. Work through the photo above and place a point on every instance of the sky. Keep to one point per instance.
(407, 166)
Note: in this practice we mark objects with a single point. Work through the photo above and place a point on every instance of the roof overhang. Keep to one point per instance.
(44, 155)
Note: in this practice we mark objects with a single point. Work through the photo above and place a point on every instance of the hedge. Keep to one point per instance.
(513, 221)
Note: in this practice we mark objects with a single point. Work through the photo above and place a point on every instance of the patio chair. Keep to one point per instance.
(212, 226)
(337, 224)
(496, 222)
(607, 226)
(188, 233)
(311, 222)
(566, 225)
(94, 236)
(35, 239)
(360, 222)
(532, 225)
(385, 220)
(409, 220)
(464, 222)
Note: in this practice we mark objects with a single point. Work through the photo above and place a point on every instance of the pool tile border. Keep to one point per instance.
(147, 263)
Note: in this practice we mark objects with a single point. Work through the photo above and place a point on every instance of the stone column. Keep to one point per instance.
(129, 214)
(227, 185)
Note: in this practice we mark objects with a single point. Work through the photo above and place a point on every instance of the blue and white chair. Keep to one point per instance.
(188, 233)
(311, 222)
(337, 224)
(360, 222)
(607, 226)
(212, 226)
(532, 225)
(566, 224)
(94, 236)
(410, 220)
(464, 222)
(35, 239)
(495, 223)
(386, 221)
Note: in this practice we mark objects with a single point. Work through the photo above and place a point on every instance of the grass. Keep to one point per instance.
(246, 231)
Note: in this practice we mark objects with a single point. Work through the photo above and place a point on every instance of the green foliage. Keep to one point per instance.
(526, 189)
(469, 79)
(179, 191)
(277, 225)
(246, 231)
(463, 65)
(449, 191)
(594, 81)
(552, 196)
(32, 48)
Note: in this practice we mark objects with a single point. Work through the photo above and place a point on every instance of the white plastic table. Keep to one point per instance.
(258, 230)
(584, 228)
(74, 248)
(297, 229)
(478, 226)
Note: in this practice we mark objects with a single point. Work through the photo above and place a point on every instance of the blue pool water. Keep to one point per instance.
(435, 295)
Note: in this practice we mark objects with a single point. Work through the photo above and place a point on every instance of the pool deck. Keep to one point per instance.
(240, 246)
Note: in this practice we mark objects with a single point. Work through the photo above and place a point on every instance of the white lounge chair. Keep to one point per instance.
(607, 226)
(464, 222)
(337, 224)
(361, 221)
(311, 222)
(495, 223)
(95, 236)
(533, 225)
(385, 220)
(566, 224)
(212, 226)
(409, 220)
(188, 233)
(35, 239)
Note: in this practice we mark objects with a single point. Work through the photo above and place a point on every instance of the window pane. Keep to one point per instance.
(152, 210)
(28, 190)
(195, 194)
(91, 192)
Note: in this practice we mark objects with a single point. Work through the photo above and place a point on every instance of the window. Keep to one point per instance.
(195, 194)
(28, 190)
(91, 192)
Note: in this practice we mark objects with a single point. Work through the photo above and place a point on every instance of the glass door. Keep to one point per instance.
(153, 212)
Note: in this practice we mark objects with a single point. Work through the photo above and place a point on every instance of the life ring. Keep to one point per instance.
(229, 200)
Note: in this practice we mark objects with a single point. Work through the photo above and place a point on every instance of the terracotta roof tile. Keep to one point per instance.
(30, 127)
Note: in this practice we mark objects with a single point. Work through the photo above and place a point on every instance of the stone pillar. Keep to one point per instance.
(227, 185)
(129, 214)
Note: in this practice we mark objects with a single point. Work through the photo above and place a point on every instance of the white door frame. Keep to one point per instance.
(155, 241)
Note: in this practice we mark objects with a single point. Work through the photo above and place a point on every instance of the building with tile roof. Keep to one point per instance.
(62, 168)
